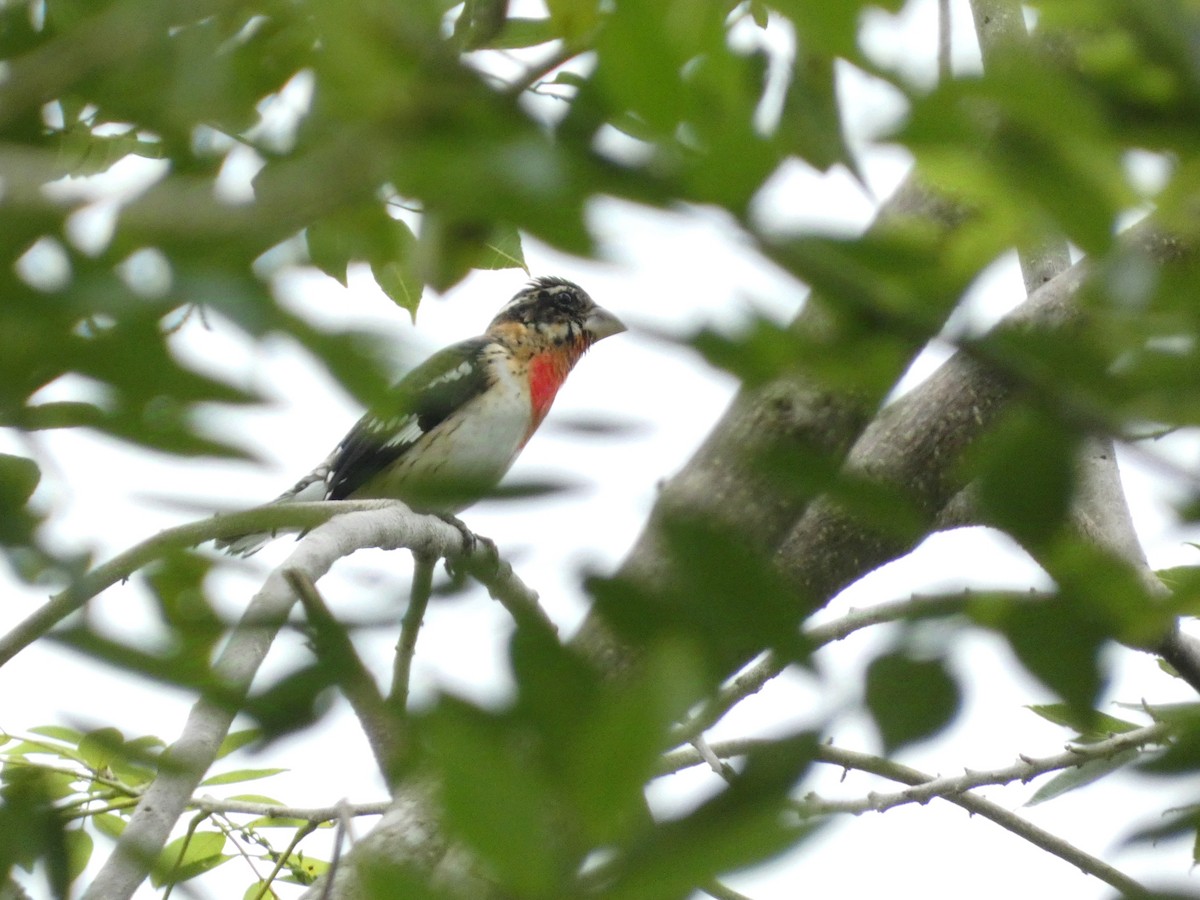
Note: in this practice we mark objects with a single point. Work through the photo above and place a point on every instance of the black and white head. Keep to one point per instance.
(559, 311)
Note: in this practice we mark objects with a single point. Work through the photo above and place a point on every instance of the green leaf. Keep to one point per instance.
(519, 32)
(18, 479)
(367, 233)
(759, 11)
(1095, 726)
(621, 737)
(910, 699)
(1176, 825)
(722, 594)
(575, 20)
(989, 142)
(236, 740)
(1059, 644)
(187, 857)
(599, 741)
(400, 281)
(293, 702)
(256, 798)
(1026, 475)
(502, 250)
(1184, 714)
(383, 878)
(69, 736)
(98, 748)
(269, 822)
(831, 28)
(640, 62)
(240, 775)
(79, 851)
(34, 829)
(304, 869)
(1184, 582)
(810, 123)
(1182, 754)
(1081, 776)
(743, 825)
(479, 22)
(495, 800)
(81, 152)
(109, 825)
(260, 890)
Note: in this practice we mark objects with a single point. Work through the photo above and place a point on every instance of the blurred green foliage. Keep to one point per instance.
(406, 153)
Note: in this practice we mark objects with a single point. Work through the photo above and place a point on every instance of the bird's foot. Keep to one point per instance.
(471, 542)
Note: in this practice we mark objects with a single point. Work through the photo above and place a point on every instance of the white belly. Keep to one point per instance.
(465, 455)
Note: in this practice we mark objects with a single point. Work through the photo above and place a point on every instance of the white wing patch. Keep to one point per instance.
(409, 434)
(462, 370)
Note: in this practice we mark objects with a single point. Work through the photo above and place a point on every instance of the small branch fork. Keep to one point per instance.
(958, 789)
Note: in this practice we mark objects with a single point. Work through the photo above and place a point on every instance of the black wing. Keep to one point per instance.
(421, 400)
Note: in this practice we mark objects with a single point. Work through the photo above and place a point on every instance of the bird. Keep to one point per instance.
(450, 429)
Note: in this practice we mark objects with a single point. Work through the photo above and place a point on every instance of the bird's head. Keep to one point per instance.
(557, 312)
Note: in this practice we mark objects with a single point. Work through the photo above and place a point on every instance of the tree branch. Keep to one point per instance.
(1024, 770)
(314, 814)
(917, 441)
(390, 527)
(332, 644)
(262, 518)
(1009, 821)
(957, 789)
(410, 629)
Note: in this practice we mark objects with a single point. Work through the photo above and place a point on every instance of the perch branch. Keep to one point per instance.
(390, 527)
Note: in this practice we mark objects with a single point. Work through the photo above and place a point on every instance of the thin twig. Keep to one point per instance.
(230, 830)
(958, 790)
(719, 766)
(332, 645)
(301, 833)
(183, 848)
(944, 45)
(314, 814)
(410, 629)
(539, 70)
(343, 830)
(1024, 770)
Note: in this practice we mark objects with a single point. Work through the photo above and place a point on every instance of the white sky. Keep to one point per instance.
(663, 272)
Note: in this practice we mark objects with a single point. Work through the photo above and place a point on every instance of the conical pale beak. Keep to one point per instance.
(600, 324)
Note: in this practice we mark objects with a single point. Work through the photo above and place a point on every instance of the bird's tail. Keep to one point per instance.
(309, 488)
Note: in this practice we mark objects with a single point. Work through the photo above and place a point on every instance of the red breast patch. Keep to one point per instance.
(547, 372)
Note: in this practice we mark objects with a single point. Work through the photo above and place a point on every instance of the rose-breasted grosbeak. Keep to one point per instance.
(453, 425)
